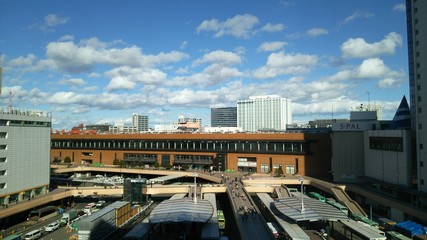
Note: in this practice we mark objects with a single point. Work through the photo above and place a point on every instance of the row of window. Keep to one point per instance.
(211, 146)
(386, 143)
(21, 123)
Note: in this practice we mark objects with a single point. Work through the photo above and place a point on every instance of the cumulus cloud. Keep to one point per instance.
(127, 77)
(271, 46)
(269, 27)
(219, 57)
(73, 81)
(315, 32)
(212, 75)
(401, 7)
(70, 57)
(281, 63)
(355, 16)
(239, 26)
(359, 48)
(371, 69)
(27, 61)
(50, 22)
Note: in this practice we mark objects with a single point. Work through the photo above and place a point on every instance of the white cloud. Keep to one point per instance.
(27, 61)
(50, 22)
(219, 57)
(281, 63)
(53, 20)
(271, 46)
(315, 32)
(359, 48)
(371, 69)
(240, 26)
(82, 57)
(184, 44)
(212, 75)
(127, 77)
(269, 27)
(66, 38)
(401, 7)
(355, 16)
(73, 81)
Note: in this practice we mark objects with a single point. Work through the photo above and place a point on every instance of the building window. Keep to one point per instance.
(421, 181)
(416, 32)
(3, 159)
(386, 143)
(419, 77)
(264, 168)
(290, 169)
(3, 147)
(2, 185)
(3, 134)
(418, 65)
(421, 146)
(419, 98)
(417, 43)
(417, 54)
(420, 126)
(3, 172)
(419, 110)
(419, 86)
(421, 164)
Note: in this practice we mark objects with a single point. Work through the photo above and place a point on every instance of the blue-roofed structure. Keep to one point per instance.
(402, 118)
(411, 228)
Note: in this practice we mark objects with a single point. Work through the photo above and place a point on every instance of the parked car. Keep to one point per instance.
(100, 203)
(52, 226)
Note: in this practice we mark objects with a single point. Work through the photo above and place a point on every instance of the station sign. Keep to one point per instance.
(352, 126)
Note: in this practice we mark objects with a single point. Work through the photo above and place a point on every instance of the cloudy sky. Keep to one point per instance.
(100, 61)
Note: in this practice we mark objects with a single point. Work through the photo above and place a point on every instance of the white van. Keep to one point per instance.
(35, 234)
(274, 229)
(89, 208)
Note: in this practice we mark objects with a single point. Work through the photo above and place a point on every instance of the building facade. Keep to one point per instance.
(264, 113)
(140, 122)
(294, 153)
(416, 12)
(224, 117)
(24, 154)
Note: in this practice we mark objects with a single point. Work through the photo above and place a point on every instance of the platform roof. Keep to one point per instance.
(314, 210)
(182, 210)
(165, 178)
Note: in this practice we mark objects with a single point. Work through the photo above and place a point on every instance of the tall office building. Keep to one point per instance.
(224, 117)
(264, 113)
(140, 122)
(24, 154)
(416, 17)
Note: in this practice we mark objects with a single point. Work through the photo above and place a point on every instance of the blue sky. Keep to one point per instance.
(100, 61)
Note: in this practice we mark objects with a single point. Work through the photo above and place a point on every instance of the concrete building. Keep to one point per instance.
(224, 117)
(416, 12)
(140, 122)
(264, 113)
(24, 154)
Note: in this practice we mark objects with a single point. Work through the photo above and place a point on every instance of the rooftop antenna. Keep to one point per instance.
(369, 101)
(10, 101)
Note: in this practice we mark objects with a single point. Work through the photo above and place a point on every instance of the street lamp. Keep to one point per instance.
(195, 188)
(302, 194)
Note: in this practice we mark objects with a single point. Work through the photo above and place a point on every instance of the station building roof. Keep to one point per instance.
(182, 210)
(314, 210)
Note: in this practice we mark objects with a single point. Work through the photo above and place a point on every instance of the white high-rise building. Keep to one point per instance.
(140, 122)
(24, 154)
(416, 13)
(264, 113)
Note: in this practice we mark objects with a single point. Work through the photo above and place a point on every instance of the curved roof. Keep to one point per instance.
(182, 210)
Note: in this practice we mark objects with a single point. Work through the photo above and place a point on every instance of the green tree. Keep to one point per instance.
(67, 159)
(156, 165)
(116, 162)
(279, 171)
(56, 160)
